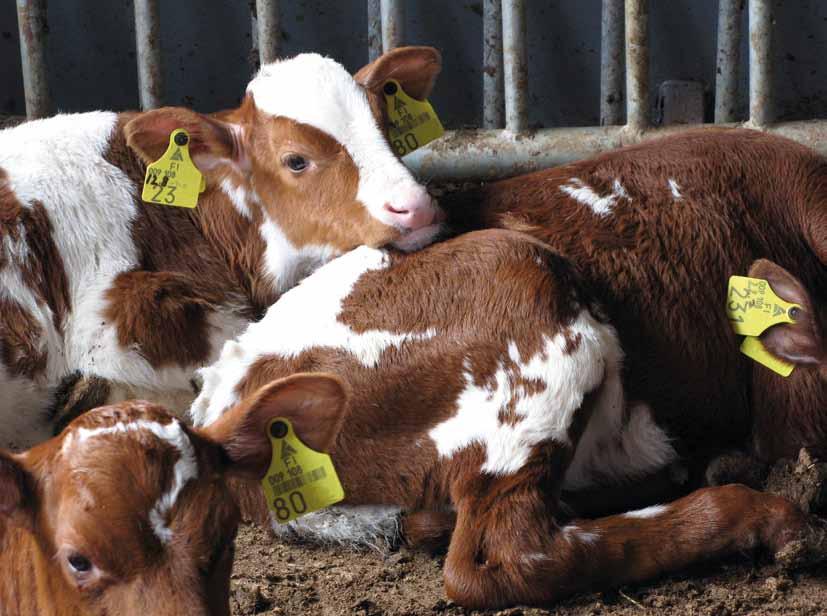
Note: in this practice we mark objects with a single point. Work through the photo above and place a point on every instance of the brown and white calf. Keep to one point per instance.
(483, 380)
(656, 230)
(129, 512)
(136, 296)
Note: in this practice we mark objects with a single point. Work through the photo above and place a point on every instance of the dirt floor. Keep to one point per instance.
(273, 577)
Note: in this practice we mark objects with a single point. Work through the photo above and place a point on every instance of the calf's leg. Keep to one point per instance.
(510, 550)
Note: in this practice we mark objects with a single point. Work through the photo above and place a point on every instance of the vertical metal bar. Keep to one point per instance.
(393, 23)
(267, 22)
(761, 107)
(374, 30)
(32, 23)
(515, 65)
(726, 73)
(148, 46)
(493, 107)
(637, 64)
(611, 61)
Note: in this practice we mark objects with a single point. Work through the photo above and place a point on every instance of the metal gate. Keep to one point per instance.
(503, 146)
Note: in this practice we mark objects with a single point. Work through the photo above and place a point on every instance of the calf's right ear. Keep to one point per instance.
(314, 403)
(15, 486)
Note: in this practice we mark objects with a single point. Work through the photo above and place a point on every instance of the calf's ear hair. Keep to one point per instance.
(800, 342)
(415, 68)
(15, 485)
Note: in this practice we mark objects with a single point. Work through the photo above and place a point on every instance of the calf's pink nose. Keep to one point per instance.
(412, 211)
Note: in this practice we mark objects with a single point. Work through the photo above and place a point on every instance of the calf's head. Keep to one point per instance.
(129, 512)
(306, 157)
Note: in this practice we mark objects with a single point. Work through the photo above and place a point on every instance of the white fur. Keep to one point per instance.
(284, 263)
(237, 194)
(647, 512)
(305, 317)
(573, 532)
(186, 467)
(676, 190)
(600, 205)
(375, 526)
(318, 91)
(546, 415)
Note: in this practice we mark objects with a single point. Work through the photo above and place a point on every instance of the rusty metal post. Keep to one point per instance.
(611, 62)
(726, 73)
(148, 47)
(515, 65)
(374, 30)
(393, 23)
(32, 24)
(493, 109)
(268, 31)
(761, 103)
(637, 64)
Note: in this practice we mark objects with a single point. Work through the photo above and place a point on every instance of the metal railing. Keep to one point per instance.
(503, 146)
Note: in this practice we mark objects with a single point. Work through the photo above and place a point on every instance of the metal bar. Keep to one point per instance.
(374, 30)
(729, 46)
(761, 107)
(148, 46)
(32, 23)
(611, 62)
(393, 23)
(637, 64)
(493, 106)
(489, 154)
(515, 65)
(267, 25)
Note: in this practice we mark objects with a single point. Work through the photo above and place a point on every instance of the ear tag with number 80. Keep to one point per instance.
(413, 123)
(174, 179)
(300, 480)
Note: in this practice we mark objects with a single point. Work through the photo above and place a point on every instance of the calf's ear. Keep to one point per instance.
(314, 403)
(212, 141)
(800, 342)
(415, 68)
(15, 486)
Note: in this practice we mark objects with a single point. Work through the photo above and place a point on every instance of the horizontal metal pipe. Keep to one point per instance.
(515, 65)
(489, 154)
(393, 23)
(32, 24)
(729, 46)
(267, 25)
(148, 47)
(374, 30)
(493, 109)
(611, 63)
(761, 102)
(637, 64)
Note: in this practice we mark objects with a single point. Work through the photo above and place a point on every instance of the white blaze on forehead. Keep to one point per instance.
(318, 91)
(304, 318)
(566, 377)
(186, 468)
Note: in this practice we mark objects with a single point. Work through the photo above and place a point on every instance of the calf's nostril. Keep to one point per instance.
(393, 210)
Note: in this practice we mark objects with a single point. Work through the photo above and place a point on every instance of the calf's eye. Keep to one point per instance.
(295, 163)
(79, 563)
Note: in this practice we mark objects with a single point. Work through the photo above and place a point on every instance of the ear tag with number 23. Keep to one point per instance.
(413, 123)
(752, 307)
(299, 480)
(174, 179)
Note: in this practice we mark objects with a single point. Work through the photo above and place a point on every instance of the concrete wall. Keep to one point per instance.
(206, 52)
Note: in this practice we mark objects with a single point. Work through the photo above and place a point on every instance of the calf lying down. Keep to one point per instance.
(476, 393)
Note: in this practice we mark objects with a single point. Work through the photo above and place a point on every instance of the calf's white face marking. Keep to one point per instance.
(566, 377)
(186, 468)
(600, 205)
(304, 318)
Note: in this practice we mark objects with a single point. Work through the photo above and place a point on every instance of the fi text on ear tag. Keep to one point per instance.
(173, 179)
(300, 480)
(752, 306)
(413, 123)
(754, 349)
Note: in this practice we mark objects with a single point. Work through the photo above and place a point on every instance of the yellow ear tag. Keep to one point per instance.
(173, 179)
(413, 123)
(300, 480)
(752, 306)
(752, 347)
